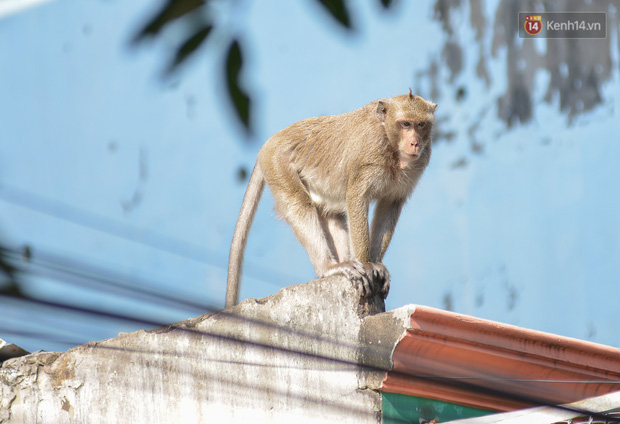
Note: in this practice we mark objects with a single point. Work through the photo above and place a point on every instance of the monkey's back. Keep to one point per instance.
(325, 151)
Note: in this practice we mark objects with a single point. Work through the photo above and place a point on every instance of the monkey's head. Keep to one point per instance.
(408, 122)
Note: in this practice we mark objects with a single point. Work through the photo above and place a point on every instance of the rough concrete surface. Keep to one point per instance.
(295, 356)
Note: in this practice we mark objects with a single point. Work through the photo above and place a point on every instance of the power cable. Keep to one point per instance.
(78, 273)
(145, 237)
(98, 278)
(174, 246)
(344, 363)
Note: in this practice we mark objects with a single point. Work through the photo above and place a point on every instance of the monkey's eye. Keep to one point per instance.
(421, 125)
(406, 124)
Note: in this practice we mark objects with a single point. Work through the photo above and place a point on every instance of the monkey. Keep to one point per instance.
(325, 172)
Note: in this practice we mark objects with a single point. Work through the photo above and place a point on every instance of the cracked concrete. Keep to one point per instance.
(305, 354)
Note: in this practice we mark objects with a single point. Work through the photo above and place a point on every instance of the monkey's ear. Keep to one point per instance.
(433, 106)
(410, 94)
(381, 110)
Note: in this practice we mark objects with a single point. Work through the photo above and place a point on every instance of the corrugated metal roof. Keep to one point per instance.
(485, 364)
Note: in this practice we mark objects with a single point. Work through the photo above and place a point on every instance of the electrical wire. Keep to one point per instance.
(343, 364)
(145, 237)
(98, 278)
(79, 273)
(62, 268)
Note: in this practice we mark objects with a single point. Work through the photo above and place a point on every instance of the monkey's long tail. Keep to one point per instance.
(237, 248)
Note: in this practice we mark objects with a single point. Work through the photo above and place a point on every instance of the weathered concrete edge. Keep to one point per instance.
(377, 336)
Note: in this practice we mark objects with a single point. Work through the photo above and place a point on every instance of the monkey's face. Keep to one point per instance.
(414, 137)
(408, 122)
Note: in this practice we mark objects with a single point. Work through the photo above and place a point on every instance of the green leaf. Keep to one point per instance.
(172, 9)
(338, 10)
(241, 101)
(189, 47)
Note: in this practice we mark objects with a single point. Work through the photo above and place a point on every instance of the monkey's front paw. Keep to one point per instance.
(354, 271)
(380, 277)
(370, 277)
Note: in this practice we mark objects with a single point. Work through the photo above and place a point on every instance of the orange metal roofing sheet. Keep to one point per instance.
(485, 364)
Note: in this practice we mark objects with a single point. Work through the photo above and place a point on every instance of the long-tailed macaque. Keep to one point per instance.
(325, 172)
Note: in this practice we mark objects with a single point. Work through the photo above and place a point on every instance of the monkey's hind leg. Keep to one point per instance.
(335, 227)
(306, 222)
(293, 204)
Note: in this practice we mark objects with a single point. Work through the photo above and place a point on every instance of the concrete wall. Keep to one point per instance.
(305, 354)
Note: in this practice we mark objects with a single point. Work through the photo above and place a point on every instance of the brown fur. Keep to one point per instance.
(325, 172)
